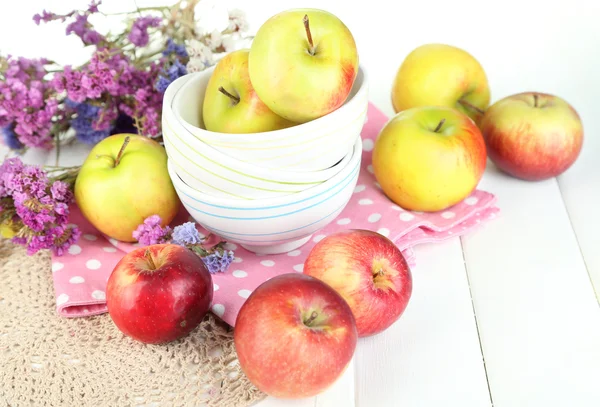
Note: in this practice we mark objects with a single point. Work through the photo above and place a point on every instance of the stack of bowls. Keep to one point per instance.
(268, 192)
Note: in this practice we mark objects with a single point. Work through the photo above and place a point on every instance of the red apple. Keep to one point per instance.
(532, 136)
(294, 336)
(369, 272)
(159, 293)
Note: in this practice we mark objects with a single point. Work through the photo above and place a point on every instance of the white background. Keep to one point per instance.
(507, 315)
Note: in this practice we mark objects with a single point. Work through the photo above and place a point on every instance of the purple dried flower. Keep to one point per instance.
(174, 48)
(176, 70)
(81, 28)
(185, 234)
(93, 7)
(151, 232)
(139, 31)
(44, 17)
(11, 140)
(218, 261)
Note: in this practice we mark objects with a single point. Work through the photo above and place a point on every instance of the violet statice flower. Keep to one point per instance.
(151, 232)
(83, 29)
(176, 70)
(27, 102)
(186, 234)
(91, 123)
(174, 48)
(218, 261)
(11, 140)
(45, 17)
(139, 31)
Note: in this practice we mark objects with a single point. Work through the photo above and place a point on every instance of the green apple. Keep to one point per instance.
(303, 63)
(123, 180)
(429, 158)
(441, 75)
(230, 103)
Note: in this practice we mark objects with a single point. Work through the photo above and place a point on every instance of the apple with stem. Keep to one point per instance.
(123, 180)
(231, 104)
(429, 158)
(532, 135)
(368, 271)
(303, 63)
(159, 293)
(294, 336)
(441, 75)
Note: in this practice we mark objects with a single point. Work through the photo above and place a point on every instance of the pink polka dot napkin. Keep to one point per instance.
(80, 276)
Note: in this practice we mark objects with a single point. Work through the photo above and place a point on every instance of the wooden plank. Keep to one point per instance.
(539, 321)
(431, 356)
(580, 189)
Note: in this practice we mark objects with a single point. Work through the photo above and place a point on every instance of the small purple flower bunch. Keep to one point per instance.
(120, 89)
(216, 258)
(34, 208)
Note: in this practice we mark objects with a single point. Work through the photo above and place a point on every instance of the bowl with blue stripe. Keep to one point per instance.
(210, 171)
(275, 225)
(312, 146)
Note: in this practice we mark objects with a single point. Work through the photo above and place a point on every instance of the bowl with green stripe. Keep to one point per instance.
(208, 170)
(312, 146)
(272, 225)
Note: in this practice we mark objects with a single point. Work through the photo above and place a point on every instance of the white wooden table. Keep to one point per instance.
(507, 316)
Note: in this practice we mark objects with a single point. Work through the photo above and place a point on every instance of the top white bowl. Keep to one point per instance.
(311, 146)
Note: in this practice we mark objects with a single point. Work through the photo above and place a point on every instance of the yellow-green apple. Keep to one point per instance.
(159, 293)
(441, 75)
(368, 271)
(532, 135)
(294, 336)
(303, 63)
(429, 158)
(231, 104)
(123, 180)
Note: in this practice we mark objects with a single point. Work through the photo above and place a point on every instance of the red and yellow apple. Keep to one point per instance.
(429, 158)
(368, 271)
(303, 63)
(294, 336)
(231, 104)
(441, 75)
(123, 180)
(532, 136)
(159, 293)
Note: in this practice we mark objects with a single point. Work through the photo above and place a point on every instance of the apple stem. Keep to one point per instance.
(471, 106)
(118, 159)
(310, 319)
(439, 126)
(535, 100)
(311, 51)
(229, 95)
(148, 256)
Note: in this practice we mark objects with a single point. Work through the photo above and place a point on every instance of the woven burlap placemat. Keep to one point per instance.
(48, 360)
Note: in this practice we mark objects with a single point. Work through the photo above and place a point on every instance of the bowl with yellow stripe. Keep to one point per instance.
(210, 171)
(272, 225)
(312, 146)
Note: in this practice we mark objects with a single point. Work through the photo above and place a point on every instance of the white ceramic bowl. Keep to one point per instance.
(311, 146)
(210, 171)
(278, 225)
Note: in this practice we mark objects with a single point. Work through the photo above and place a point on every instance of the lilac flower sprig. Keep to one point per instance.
(34, 207)
(120, 88)
(216, 258)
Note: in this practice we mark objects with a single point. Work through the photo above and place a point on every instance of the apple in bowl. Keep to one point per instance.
(231, 104)
(159, 293)
(441, 75)
(294, 336)
(429, 158)
(368, 271)
(532, 135)
(303, 63)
